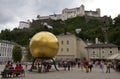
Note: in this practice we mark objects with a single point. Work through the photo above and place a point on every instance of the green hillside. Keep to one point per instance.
(91, 28)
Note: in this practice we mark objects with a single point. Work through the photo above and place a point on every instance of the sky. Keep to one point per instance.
(14, 11)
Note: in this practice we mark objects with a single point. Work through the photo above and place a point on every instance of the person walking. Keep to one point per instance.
(90, 65)
(86, 66)
(68, 65)
(26, 65)
(79, 64)
(108, 67)
(102, 66)
(82, 65)
(65, 65)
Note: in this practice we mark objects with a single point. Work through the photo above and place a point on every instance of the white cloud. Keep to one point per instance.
(13, 11)
(108, 7)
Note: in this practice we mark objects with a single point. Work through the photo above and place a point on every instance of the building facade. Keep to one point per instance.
(101, 51)
(23, 24)
(71, 13)
(70, 48)
(6, 48)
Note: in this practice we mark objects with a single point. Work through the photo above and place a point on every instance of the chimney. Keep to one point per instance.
(96, 41)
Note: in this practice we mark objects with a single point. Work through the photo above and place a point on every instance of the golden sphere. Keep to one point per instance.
(44, 44)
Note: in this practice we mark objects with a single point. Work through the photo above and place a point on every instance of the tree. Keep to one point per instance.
(17, 54)
(114, 34)
(5, 34)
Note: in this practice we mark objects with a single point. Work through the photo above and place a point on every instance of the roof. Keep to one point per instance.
(8, 42)
(102, 46)
(118, 57)
(65, 33)
(115, 56)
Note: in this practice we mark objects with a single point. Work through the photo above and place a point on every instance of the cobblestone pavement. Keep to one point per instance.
(75, 73)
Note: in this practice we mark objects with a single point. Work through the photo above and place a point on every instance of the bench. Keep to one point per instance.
(12, 73)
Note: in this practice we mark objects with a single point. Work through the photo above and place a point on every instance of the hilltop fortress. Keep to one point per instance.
(66, 14)
(71, 13)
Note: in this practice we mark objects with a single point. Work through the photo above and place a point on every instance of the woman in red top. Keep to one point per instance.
(17, 66)
(20, 66)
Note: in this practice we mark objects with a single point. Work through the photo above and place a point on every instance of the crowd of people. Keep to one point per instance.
(87, 65)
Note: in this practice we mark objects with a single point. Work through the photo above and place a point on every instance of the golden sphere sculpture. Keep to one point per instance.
(44, 44)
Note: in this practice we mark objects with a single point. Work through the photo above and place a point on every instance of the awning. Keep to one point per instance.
(118, 57)
(114, 56)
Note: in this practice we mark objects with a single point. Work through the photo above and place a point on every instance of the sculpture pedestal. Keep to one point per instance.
(44, 65)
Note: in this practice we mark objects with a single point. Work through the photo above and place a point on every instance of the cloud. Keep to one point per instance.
(21, 10)
(45, 7)
(13, 11)
(6, 17)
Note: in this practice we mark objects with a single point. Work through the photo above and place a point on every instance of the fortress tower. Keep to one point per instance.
(82, 10)
(98, 11)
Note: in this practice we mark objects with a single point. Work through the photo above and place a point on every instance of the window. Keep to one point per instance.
(61, 49)
(102, 51)
(93, 52)
(67, 42)
(67, 49)
(61, 42)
